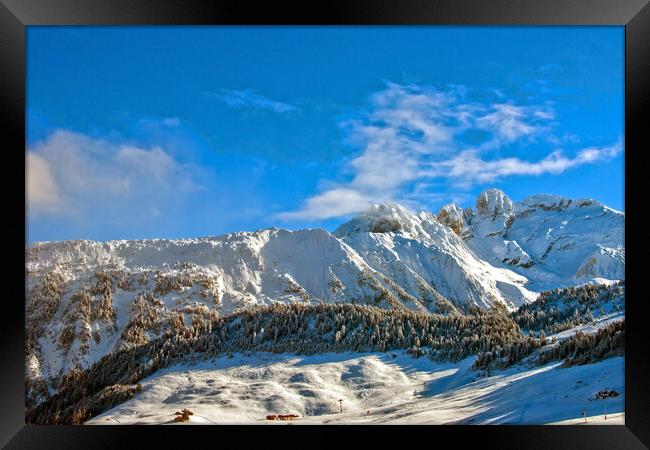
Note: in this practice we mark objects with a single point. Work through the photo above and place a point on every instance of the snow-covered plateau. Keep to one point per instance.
(86, 300)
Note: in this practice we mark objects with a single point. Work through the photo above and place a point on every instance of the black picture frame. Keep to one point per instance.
(16, 15)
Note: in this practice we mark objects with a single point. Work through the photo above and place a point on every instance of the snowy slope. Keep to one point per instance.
(415, 249)
(245, 268)
(163, 279)
(375, 388)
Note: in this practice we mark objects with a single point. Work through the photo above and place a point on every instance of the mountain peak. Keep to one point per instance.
(379, 218)
(387, 207)
(494, 202)
(453, 217)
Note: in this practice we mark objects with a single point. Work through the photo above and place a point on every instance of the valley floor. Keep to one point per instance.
(376, 388)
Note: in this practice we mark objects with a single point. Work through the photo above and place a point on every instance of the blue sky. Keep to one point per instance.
(138, 132)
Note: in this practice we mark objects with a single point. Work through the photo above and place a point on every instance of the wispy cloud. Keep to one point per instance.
(249, 99)
(550, 68)
(412, 135)
(332, 203)
(468, 168)
(509, 123)
(171, 122)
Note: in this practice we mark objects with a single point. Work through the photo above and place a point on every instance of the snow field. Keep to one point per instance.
(375, 388)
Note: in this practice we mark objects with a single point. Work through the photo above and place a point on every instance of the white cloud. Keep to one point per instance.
(42, 191)
(71, 174)
(468, 168)
(508, 123)
(411, 135)
(247, 98)
(332, 203)
(405, 124)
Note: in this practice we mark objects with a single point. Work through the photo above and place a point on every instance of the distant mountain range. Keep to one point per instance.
(86, 299)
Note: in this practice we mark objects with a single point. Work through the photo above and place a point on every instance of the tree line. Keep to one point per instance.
(578, 349)
(564, 308)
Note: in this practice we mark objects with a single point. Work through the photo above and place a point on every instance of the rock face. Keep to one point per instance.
(456, 219)
(494, 203)
(86, 299)
(494, 214)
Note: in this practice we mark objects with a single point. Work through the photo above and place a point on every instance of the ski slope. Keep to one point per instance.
(376, 388)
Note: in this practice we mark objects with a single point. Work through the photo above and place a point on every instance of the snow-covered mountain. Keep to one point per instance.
(553, 241)
(418, 250)
(86, 299)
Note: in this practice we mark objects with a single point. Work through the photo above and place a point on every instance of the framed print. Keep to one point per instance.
(408, 217)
